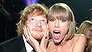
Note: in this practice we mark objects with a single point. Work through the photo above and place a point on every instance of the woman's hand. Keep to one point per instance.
(44, 41)
(38, 47)
(31, 40)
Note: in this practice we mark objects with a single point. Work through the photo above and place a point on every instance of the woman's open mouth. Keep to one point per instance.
(56, 34)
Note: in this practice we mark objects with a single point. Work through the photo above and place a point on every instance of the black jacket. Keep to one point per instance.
(13, 45)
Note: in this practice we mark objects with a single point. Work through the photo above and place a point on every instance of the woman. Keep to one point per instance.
(86, 29)
(61, 24)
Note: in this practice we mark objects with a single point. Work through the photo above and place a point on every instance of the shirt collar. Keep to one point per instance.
(28, 47)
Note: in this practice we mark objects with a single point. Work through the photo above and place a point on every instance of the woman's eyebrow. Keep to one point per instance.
(50, 17)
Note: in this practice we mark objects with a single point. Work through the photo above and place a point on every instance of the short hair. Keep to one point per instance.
(64, 12)
(37, 9)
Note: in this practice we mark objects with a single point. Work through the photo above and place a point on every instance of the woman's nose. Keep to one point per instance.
(57, 24)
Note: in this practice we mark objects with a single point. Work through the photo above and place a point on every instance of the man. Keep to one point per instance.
(4, 21)
(33, 18)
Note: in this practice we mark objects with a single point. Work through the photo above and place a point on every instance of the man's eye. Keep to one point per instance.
(51, 20)
(43, 20)
(32, 19)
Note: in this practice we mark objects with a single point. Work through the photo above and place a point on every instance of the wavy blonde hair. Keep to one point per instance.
(85, 25)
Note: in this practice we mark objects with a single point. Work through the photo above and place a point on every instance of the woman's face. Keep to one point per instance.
(37, 26)
(58, 28)
(89, 32)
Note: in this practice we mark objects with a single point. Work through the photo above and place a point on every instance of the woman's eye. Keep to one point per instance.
(51, 20)
(62, 20)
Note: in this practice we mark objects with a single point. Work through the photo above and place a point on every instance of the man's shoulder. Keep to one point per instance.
(13, 45)
(12, 41)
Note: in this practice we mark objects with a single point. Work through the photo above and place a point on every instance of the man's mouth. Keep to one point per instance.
(38, 30)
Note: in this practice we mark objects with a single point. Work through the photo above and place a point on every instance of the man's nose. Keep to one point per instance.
(38, 24)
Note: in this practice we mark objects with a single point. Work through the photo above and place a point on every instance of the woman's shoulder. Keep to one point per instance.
(80, 38)
(79, 42)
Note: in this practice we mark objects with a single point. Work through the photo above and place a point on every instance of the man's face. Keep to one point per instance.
(37, 26)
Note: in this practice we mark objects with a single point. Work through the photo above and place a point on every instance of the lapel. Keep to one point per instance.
(21, 45)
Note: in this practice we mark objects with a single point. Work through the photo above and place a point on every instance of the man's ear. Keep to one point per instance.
(24, 26)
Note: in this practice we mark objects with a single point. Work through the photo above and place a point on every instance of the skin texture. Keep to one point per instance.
(58, 25)
(34, 21)
(36, 30)
(89, 32)
(60, 22)
(58, 43)
(37, 26)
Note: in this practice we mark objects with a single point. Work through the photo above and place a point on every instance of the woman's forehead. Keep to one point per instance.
(58, 17)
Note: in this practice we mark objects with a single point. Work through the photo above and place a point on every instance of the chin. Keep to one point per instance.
(56, 41)
(38, 37)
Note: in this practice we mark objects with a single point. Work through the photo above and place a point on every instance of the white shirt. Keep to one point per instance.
(28, 47)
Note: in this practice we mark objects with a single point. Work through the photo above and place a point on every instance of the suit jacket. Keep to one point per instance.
(4, 27)
(13, 45)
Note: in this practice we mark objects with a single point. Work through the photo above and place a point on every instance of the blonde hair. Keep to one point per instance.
(64, 12)
(35, 9)
(84, 27)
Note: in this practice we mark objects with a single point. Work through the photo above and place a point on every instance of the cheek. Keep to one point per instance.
(50, 27)
(44, 27)
(87, 34)
(30, 24)
(64, 28)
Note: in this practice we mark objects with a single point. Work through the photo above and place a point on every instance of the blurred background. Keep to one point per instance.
(79, 7)
(10, 13)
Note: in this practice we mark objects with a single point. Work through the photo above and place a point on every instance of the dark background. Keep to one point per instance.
(79, 7)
